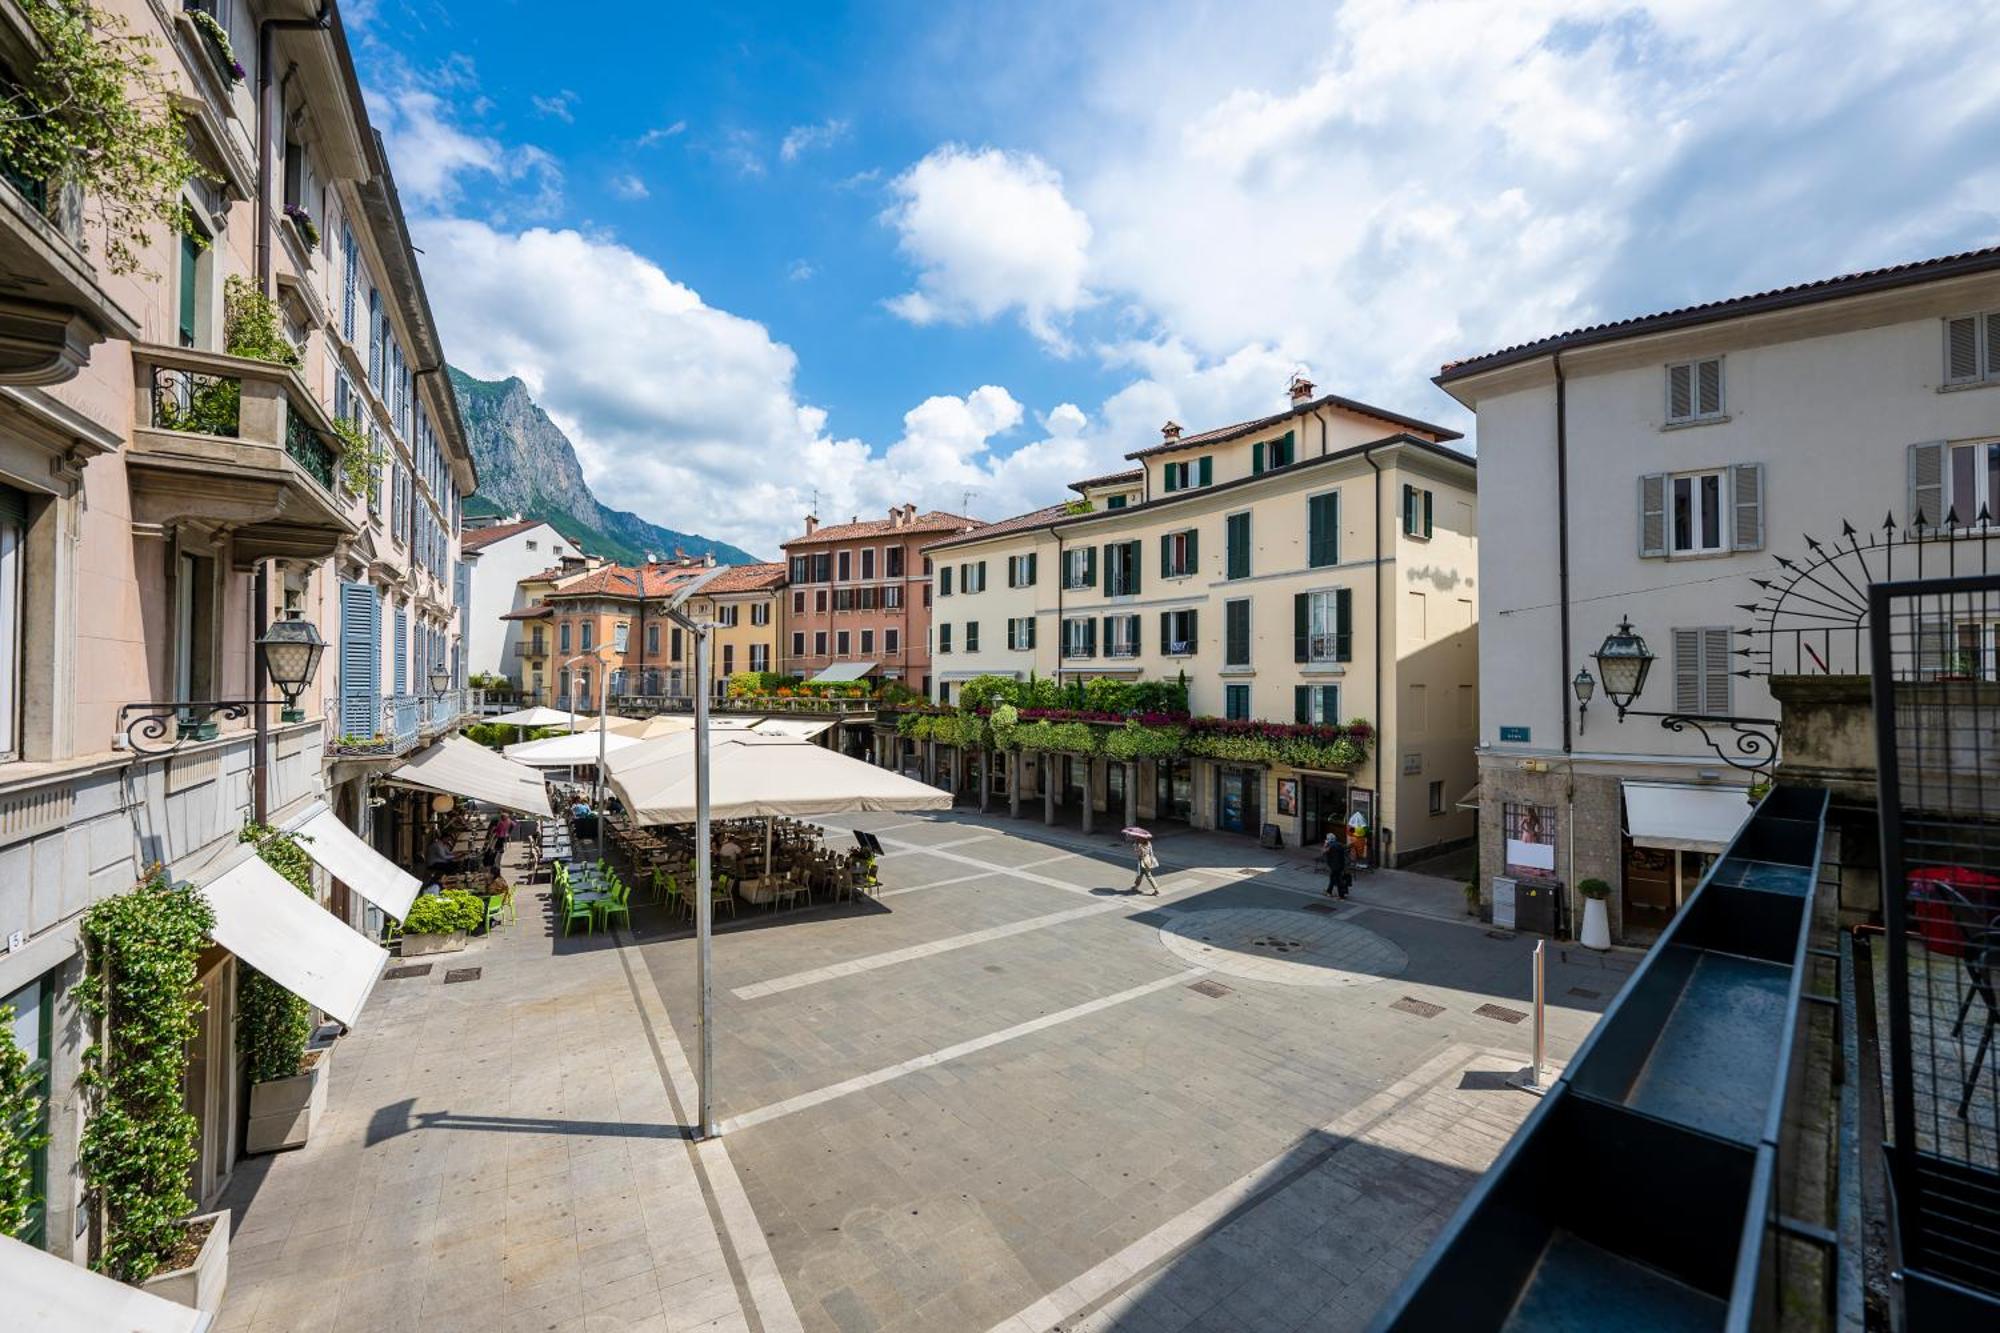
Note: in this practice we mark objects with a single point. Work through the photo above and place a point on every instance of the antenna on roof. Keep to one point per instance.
(965, 500)
(815, 503)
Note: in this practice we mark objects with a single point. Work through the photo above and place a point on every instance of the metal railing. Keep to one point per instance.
(308, 448)
(532, 648)
(684, 703)
(193, 392)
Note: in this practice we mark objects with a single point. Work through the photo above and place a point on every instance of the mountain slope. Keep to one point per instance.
(528, 466)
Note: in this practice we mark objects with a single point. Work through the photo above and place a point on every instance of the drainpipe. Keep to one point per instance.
(1375, 829)
(260, 793)
(267, 31)
(1562, 597)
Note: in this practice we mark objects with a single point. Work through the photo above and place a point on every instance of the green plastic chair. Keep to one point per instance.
(618, 904)
(574, 911)
(496, 911)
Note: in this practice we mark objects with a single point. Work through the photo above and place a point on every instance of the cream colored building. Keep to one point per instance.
(1318, 565)
(743, 603)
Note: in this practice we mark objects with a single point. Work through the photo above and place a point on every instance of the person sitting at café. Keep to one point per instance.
(438, 857)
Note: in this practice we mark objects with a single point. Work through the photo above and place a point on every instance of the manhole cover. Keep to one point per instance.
(1283, 945)
(1495, 1011)
(1410, 1004)
(461, 974)
(1586, 993)
(413, 970)
(1214, 990)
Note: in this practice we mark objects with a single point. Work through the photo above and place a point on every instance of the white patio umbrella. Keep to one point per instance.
(537, 716)
(757, 776)
(566, 751)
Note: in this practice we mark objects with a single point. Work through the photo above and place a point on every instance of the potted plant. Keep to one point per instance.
(194, 728)
(439, 922)
(302, 222)
(1596, 919)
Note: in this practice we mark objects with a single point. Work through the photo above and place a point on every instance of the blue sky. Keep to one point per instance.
(744, 254)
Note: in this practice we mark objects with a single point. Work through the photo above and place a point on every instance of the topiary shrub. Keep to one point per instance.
(139, 1141)
(272, 1024)
(443, 913)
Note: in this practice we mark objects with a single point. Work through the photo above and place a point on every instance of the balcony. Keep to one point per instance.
(531, 649)
(234, 443)
(54, 310)
(390, 726)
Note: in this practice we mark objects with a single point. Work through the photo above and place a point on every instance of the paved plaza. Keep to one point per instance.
(1009, 1095)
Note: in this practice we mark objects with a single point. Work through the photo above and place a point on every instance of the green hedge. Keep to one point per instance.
(442, 913)
(1133, 741)
(272, 1024)
(20, 1134)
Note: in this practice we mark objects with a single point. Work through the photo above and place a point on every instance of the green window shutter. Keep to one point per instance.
(1427, 513)
(1301, 624)
(1323, 530)
(1171, 476)
(944, 580)
(1132, 565)
(190, 269)
(1329, 703)
(1256, 458)
(1286, 450)
(1031, 571)
(1239, 546)
(1166, 554)
(1194, 550)
(982, 576)
(1192, 629)
(1301, 703)
(1343, 625)
(1207, 470)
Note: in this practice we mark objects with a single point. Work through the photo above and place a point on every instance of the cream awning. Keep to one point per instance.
(1685, 819)
(56, 1296)
(567, 751)
(341, 853)
(843, 671)
(459, 767)
(262, 919)
(753, 777)
(798, 728)
(537, 716)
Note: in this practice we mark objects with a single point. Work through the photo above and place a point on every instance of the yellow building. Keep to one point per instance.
(742, 602)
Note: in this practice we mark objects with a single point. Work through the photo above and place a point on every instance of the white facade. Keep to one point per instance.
(497, 567)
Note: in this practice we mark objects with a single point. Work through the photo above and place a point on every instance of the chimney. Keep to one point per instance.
(812, 524)
(708, 560)
(1302, 389)
(1171, 431)
(895, 516)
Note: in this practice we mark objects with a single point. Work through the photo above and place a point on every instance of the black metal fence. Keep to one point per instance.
(1934, 647)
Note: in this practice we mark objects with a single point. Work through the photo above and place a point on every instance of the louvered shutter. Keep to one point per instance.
(1090, 638)
(401, 648)
(1653, 514)
(360, 658)
(1029, 582)
(982, 576)
(1428, 500)
(1301, 703)
(1193, 629)
(1934, 651)
(1301, 626)
(1992, 323)
(1746, 498)
(1090, 566)
(1029, 626)
(1132, 566)
(1256, 458)
(1708, 388)
(1961, 349)
(1715, 671)
(1680, 392)
(1171, 475)
(1207, 470)
(1927, 498)
(1343, 625)
(944, 580)
(1166, 554)
(1194, 551)
(1323, 530)
(1687, 671)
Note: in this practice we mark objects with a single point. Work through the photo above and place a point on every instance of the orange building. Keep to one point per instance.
(608, 627)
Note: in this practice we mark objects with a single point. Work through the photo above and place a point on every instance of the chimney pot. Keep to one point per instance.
(1302, 388)
(1171, 431)
(812, 524)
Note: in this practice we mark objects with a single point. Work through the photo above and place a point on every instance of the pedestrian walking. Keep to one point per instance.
(1148, 863)
(1339, 878)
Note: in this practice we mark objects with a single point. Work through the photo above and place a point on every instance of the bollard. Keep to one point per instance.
(1535, 1069)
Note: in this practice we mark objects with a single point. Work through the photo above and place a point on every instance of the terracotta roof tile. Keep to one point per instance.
(1243, 428)
(1709, 312)
(747, 578)
(937, 520)
(1136, 474)
(623, 581)
(1018, 523)
(539, 612)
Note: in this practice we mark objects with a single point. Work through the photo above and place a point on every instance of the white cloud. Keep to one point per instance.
(662, 133)
(628, 186)
(800, 271)
(433, 154)
(559, 106)
(990, 232)
(803, 139)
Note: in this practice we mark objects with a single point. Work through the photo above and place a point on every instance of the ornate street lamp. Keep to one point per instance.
(440, 678)
(1584, 685)
(290, 650)
(1624, 659)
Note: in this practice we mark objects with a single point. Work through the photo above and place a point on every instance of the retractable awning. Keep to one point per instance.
(538, 716)
(262, 919)
(567, 751)
(752, 776)
(459, 767)
(799, 728)
(844, 671)
(1684, 819)
(57, 1296)
(342, 854)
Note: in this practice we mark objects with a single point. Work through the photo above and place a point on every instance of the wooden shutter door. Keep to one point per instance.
(1746, 499)
(1301, 703)
(1166, 554)
(1653, 514)
(360, 658)
(1194, 550)
(1961, 348)
(1207, 470)
(1708, 388)
(1343, 625)
(1680, 392)
(1687, 671)
(1927, 503)
(1715, 671)
(1301, 625)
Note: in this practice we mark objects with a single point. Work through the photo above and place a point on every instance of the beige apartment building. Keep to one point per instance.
(742, 602)
(1318, 565)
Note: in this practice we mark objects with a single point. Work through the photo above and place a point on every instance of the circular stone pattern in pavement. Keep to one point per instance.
(1292, 948)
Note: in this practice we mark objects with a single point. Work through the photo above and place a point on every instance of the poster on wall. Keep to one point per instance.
(1531, 839)
(1288, 796)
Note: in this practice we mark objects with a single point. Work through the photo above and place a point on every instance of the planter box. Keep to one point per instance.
(199, 731)
(422, 946)
(283, 1111)
(201, 1283)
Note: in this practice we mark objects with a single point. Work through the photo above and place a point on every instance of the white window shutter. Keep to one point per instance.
(1687, 671)
(1746, 490)
(1961, 349)
(1653, 514)
(1715, 671)
(1680, 392)
(1927, 498)
(1708, 384)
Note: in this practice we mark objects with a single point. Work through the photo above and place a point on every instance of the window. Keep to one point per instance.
(1079, 637)
(728, 660)
(33, 1032)
(798, 643)
(1972, 348)
(1121, 636)
(1701, 670)
(1177, 637)
(1080, 567)
(798, 602)
(1316, 704)
(867, 562)
(1236, 538)
(1114, 502)
(674, 642)
(1437, 798)
(867, 642)
(943, 639)
(1021, 632)
(1416, 512)
(1952, 483)
(1322, 626)
(1178, 553)
(1121, 568)
(562, 637)
(1268, 454)
(653, 639)
(194, 249)
(927, 594)
(1236, 702)
(819, 601)
(1699, 513)
(533, 545)
(840, 643)
(1188, 475)
(1021, 571)
(1694, 391)
(621, 635)
(13, 555)
(972, 577)
(843, 599)
(760, 613)
(727, 616)
(846, 562)
(760, 657)
(589, 635)
(1323, 530)
(891, 641)
(944, 581)
(890, 596)
(1236, 633)
(892, 562)
(971, 636)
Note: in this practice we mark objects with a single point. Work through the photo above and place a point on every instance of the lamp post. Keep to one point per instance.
(704, 906)
(1584, 685)
(1624, 662)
